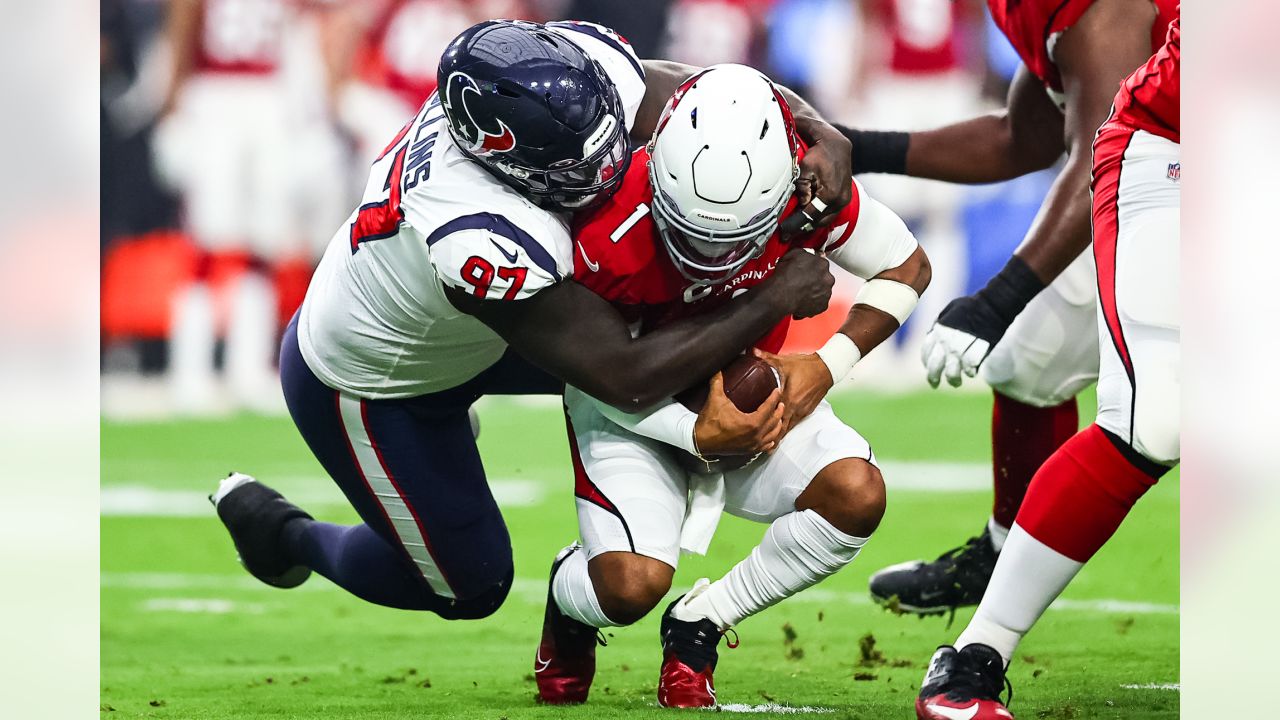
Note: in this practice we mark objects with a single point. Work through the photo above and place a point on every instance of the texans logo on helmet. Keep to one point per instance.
(483, 141)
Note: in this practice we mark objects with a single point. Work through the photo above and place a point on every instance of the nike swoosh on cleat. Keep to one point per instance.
(541, 664)
(511, 257)
(595, 267)
(711, 690)
(954, 713)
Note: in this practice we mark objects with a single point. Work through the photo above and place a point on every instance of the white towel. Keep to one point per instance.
(706, 503)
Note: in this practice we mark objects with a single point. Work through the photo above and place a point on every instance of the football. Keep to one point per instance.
(748, 380)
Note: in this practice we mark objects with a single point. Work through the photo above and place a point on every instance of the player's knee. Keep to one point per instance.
(1156, 424)
(628, 585)
(477, 605)
(849, 494)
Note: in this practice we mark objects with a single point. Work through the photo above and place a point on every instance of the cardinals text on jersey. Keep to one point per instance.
(620, 256)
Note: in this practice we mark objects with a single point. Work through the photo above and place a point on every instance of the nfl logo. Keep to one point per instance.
(1175, 172)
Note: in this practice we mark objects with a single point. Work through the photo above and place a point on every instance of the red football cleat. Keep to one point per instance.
(963, 685)
(566, 661)
(688, 661)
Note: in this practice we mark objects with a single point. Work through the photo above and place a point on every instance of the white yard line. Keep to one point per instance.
(316, 490)
(1175, 687)
(216, 606)
(771, 708)
(310, 492)
(535, 591)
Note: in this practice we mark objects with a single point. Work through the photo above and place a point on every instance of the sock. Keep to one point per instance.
(999, 533)
(1028, 577)
(799, 550)
(1082, 494)
(358, 560)
(575, 595)
(1075, 504)
(1022, 438)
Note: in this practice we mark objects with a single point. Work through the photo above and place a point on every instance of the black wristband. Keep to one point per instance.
(876, 151)
(1011, 289)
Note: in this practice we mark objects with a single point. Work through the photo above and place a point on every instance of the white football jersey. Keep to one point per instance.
(375, 322)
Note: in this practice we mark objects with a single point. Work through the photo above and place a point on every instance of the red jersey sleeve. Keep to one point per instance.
(833, 234)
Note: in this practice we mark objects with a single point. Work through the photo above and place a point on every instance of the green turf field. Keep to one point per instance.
(187, 634)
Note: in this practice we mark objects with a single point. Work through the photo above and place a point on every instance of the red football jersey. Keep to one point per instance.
(925, 35)
(1033, 27)
(620, 256)
(1150, 98)
(403, 47)
(240, 36)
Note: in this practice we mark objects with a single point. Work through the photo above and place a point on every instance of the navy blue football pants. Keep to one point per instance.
(433, 537)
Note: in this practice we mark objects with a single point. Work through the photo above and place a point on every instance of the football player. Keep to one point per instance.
(1075, 53)
(694, 225)
(459, 249)
(1086, 488)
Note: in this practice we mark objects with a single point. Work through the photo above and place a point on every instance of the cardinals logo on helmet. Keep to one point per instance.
(482, 141)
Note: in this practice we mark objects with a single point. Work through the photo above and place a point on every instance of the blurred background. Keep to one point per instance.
(236, 135)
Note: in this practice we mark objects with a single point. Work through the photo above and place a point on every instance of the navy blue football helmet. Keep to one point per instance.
(536, 111)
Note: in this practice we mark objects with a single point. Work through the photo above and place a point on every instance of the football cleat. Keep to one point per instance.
(688, 659)
(566, 661)
(958, 578)
(964, 684)
(255, 515)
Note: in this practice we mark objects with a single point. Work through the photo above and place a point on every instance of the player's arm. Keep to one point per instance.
(719, 429)
(182, 28)
(580, 338)
(884, 252)
(1022, 137)
(824, 172)
(1093, 57)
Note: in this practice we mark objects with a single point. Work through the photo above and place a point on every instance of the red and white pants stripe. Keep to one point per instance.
(1136, 200)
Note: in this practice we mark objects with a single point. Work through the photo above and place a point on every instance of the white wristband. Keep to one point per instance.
(897, 299)
(840, 355)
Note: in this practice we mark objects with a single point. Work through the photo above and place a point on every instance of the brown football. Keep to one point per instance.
(748, 380)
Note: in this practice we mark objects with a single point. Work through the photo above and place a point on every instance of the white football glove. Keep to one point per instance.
(950, 352)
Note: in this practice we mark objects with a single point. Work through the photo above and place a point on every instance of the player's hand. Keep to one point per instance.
(966, 330)
(825, 184)
(723, 429)
(803, 282)
(805, 382)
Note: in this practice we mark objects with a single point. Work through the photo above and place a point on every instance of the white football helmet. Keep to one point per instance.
(722, 165)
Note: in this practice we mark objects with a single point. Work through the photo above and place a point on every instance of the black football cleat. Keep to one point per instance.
(689, 655)
(566, 661)
(958, 578)
(964, 685)
(255, 515)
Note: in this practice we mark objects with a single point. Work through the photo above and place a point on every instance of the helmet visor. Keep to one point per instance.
(579, 184)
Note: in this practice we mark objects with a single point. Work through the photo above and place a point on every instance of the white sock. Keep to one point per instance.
(999, 534)
(251, 340)
(799, 550)
(1028, 577)
(575, 595)
(191, 341)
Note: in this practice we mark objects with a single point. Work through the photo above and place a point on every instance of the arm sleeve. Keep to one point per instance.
(490, 257)
(667, 422)
(880, 240)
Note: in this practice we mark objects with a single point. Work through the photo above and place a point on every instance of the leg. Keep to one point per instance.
(823, 497)
(817, 488)
(1036, 371)
(432, 538)
(631, 499)
(1080, 497)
